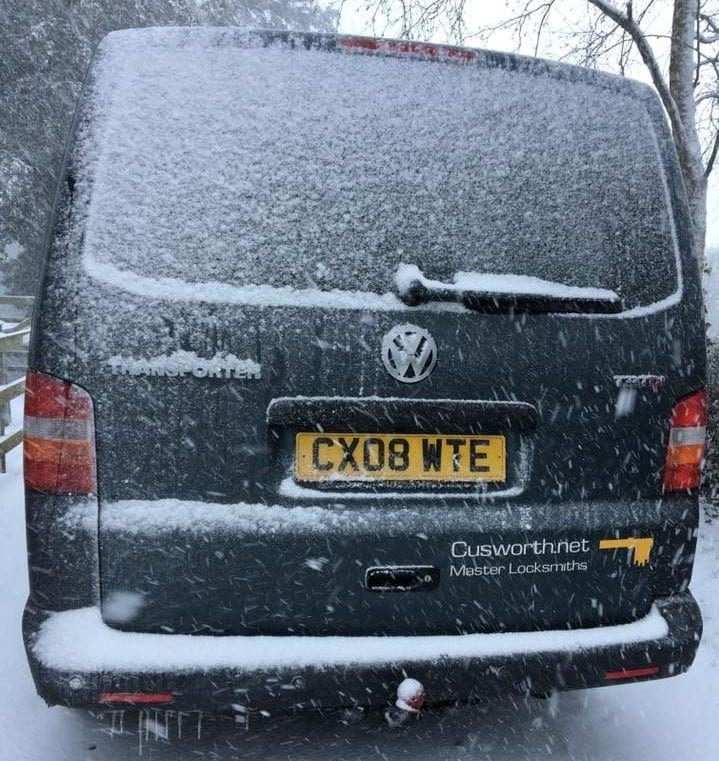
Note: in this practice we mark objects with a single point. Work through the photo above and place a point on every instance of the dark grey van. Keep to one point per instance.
(358, 360)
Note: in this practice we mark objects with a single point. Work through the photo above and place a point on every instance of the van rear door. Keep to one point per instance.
(324, 322)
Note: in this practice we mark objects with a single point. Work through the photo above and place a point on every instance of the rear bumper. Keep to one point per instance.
(75, 657)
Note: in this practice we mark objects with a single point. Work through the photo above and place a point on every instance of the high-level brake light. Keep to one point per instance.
(59, 438)
(424, 49)
(685, 448)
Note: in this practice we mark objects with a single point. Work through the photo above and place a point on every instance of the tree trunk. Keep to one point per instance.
(681, 86)
(699, 217)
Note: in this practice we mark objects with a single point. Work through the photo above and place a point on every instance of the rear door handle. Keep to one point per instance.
(402, 578)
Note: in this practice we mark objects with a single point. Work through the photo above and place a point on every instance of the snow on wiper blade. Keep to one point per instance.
(494, 292)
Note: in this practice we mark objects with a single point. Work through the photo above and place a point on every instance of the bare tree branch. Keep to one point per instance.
(627, 22)
(542, 22)
(713, 26)
(713, 95)
(712, 155)
(698, 44)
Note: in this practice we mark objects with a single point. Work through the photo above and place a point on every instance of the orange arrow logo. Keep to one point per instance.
(639, 548)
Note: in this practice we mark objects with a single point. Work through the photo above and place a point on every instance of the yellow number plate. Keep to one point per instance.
(399, 457)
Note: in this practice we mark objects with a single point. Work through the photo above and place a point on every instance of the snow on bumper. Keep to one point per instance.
(80, 641)
(75, 656)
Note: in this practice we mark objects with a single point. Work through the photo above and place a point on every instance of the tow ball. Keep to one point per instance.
(409, 702)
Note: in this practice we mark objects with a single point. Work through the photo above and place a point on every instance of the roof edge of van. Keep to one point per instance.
(387, 46)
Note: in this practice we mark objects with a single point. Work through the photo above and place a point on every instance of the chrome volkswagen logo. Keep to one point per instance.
(409, 353)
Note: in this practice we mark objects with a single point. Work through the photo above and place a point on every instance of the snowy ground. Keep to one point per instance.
(672, 719)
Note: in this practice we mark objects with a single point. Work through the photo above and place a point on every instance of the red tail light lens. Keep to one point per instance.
(632, 673)
(59, 438)
(685, 449)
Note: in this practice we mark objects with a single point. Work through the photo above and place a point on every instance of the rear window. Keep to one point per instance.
(210, 160)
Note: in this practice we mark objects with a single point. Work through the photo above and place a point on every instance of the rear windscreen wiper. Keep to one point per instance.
(492, 293)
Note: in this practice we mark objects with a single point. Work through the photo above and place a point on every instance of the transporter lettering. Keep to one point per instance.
(182, 363)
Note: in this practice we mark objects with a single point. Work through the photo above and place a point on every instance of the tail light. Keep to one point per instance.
(685, 448)
(59, 436)
(637, 673)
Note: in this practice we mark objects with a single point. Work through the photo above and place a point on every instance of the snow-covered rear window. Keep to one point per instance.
(209, 159)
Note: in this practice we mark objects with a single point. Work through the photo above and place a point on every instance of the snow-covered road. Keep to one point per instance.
(669, 720)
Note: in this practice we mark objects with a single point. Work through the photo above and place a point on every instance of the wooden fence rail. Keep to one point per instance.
(13, 343)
